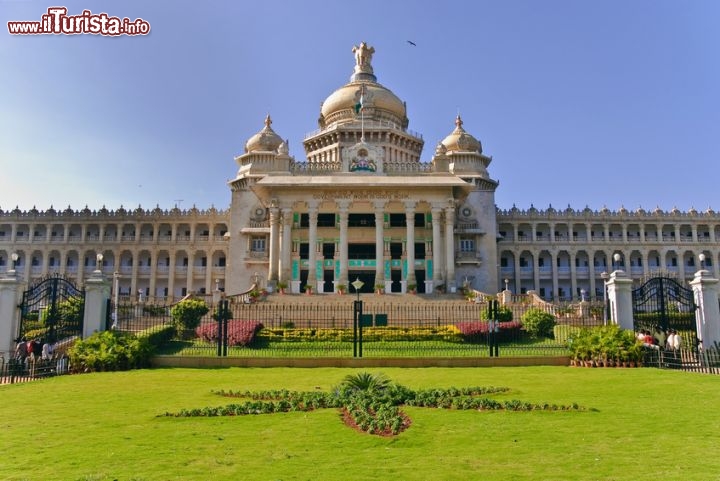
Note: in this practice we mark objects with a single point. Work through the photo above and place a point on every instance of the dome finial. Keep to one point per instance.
(268, 121)
(459, 123)
(363, 63)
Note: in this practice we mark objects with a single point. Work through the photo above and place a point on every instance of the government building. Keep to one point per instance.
(362, 204)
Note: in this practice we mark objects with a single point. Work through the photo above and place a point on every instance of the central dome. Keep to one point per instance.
(363, 95)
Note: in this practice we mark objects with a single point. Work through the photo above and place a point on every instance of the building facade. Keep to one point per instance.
(360, 205)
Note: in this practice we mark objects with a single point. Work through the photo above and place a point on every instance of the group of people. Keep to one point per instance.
(659, 339)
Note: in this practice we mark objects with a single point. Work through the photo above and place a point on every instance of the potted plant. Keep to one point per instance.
(380, 288)
(254, 295)
(282, 285)
(341, 289)
(308, 289)
(411, 288)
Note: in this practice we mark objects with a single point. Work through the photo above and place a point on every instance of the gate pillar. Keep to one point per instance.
(10, 293)
(97, 293)
(620, 296)
(707, 315)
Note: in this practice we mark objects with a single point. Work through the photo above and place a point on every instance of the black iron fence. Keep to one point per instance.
(320, 328)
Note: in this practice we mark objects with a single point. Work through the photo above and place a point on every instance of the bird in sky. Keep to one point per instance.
(412, 43)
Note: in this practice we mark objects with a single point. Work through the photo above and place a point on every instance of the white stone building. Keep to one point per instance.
(362, 204)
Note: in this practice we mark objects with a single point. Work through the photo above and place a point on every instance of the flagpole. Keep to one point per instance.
(362, 115)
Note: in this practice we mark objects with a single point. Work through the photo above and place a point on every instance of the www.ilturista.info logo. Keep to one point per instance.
(57, 22)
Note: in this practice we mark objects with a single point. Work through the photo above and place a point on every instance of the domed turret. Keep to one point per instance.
(461, 141)
(266, 140)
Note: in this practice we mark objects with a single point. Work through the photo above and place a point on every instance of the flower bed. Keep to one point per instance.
(477, 331)
(240, 333)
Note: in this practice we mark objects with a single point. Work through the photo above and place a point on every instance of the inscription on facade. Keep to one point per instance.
(360, 194)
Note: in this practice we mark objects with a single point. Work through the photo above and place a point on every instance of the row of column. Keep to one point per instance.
(281, 244)
(593, 271)
(606, 231)
(117, 233)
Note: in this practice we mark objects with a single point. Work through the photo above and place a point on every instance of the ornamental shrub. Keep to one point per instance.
(538, 323)
(505, 314)
(188, 313)
(110, 351)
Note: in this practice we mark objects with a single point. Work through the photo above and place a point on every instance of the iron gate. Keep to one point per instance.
(52, 309)
(663, 302)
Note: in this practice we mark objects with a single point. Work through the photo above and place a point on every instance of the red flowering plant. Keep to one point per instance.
(240, 333)
(477, 331)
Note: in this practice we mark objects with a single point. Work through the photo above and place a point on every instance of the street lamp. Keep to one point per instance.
(702, 260)
(98, 263)
(357, 319)
(358, 284)
(616, 261)
(507, 282)
(582, 295)
(14, 256)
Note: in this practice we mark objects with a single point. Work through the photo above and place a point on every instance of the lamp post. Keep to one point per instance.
(357, 315)
(14, 256)
(582, 295)
(702, 260)
(604, 276)
(616, 261)
(98, 264)
(507, 283)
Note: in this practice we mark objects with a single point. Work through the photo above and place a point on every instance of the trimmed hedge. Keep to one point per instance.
(370, 334)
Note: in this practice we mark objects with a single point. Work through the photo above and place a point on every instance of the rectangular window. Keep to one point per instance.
(258, 244)
(503, 262)
(221, 262)
(467, 245)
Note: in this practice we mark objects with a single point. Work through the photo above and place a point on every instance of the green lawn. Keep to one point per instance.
(641, 424)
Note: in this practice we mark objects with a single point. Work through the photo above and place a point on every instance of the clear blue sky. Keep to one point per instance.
(579, 102)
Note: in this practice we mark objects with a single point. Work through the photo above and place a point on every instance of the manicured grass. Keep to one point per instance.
(641, 424)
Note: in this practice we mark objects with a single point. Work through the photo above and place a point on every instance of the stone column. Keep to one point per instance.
(437, 243)
(153, 273)
(620, 296)
(286, 246)
(450, 249)
(312, 246)
(171, 276)
(379, 242)
(97, 292)
(10, 297)
(274, 252)
(410, 242)
(554, 276)
(707, 316)
(343, 208)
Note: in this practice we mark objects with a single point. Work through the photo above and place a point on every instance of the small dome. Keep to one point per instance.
(461, 141)
(266, 140)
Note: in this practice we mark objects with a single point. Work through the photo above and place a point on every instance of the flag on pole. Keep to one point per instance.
(361, 104)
